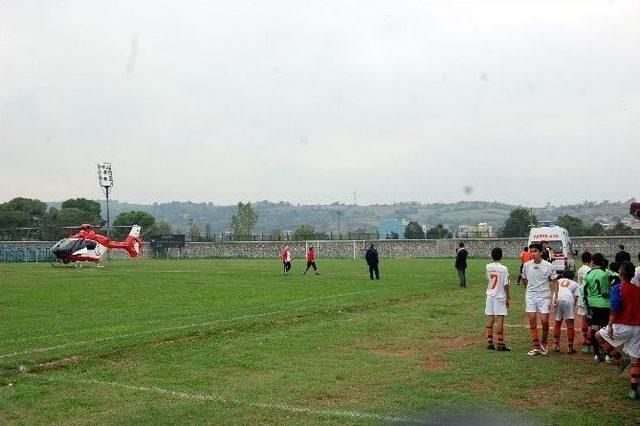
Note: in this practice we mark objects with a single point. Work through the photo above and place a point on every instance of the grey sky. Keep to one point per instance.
(527, 102)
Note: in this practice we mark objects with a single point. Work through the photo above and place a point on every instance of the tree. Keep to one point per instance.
(621, 229)
(438, 232)
(85, 205)
(413, 231)
(134, 217)
(304, 232)
(161, 227)
(574, 225)
(392, 235)
(22, 212)
(596, 229)
(243, 222)
(518, 224)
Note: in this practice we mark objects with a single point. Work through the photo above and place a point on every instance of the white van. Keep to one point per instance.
(559, 240)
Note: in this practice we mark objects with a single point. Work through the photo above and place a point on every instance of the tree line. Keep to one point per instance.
(29, 219)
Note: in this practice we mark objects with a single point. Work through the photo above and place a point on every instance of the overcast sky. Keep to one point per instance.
(525, 102)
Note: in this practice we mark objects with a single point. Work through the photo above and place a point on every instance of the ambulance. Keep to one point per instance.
(559, 240)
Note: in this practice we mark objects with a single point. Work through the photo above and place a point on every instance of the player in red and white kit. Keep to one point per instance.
(311, 261)
(497, 299)
(568, 292)
(285, 256)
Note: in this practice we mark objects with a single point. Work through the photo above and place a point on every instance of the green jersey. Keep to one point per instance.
(596, 288)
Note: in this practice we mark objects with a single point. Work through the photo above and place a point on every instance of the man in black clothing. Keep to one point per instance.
(372, 260)
(461, 264)
(622, 256)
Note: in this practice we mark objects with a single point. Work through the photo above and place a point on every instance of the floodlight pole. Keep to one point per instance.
(108, 219)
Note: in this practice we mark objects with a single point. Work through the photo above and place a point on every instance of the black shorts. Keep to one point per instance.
(599, 316)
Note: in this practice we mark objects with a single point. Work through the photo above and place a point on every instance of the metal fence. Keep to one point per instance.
(26, 254)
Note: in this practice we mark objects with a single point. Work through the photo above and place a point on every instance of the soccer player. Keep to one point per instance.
(497, 299)
(286, 260)
(311, 261)
(596, 299)
(525, 256)
(623, 327)
(541, 283)
(582, 309)
(568, 292)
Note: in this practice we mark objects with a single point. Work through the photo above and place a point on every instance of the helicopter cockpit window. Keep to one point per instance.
(90, 245)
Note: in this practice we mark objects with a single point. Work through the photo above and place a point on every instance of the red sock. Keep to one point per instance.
(489, 335)
(500, 339)
(635, 374)
(556, 333)
(571, 335)
(534, 337)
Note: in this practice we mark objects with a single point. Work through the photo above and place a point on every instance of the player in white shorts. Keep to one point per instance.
(497, 299)
(541, 281)
(567, 301)
(582, 309)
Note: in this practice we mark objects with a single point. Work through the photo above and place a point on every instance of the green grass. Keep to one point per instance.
(233, 341)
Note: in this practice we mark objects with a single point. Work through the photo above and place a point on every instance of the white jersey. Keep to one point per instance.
(498, 279)
(539, 277)
(582, 272)
(567, 290)
(636, 279)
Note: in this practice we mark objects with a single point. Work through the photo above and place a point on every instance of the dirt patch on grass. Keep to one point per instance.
(455, 343)
(434, 364)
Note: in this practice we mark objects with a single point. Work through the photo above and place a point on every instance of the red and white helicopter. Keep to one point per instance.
(88, 246)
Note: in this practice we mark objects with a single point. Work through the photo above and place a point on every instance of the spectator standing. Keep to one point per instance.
(622, 255)
(461, 264)
(372, 261)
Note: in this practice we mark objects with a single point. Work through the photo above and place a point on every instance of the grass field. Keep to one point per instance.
(233, 341)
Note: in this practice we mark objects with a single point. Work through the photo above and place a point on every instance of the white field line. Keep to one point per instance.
(248, 403)
(201, 314)
(138, 333)
(155, 330)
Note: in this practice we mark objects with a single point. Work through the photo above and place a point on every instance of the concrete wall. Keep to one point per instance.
(30, 251)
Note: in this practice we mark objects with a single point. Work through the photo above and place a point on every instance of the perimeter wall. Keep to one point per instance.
(38, 251)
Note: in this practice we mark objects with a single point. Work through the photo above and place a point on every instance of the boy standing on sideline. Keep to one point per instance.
(596, 299)
(461, 263)
(372, 260)
(497, 302)
(525, 256)
(568, 292)
(623, 327)
(582, 309)
(541, 284)
(286, 260)
(311, 261)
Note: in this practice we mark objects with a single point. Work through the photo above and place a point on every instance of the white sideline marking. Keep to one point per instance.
(157, 330)
(137, 333)
(201, 314)
(228, 401)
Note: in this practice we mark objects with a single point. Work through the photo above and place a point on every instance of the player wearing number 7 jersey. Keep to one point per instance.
(497, 299)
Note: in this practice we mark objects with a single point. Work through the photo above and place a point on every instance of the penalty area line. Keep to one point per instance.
(248, 403)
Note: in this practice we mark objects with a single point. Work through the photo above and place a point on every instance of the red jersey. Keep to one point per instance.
(625, 304)
(525, 256)
(311, 256)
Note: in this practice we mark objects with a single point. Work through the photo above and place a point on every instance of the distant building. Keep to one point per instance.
(481, 230)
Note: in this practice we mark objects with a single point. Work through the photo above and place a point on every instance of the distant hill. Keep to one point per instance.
(284, 216)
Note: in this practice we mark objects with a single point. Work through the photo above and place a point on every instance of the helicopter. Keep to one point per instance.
(89, 246)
